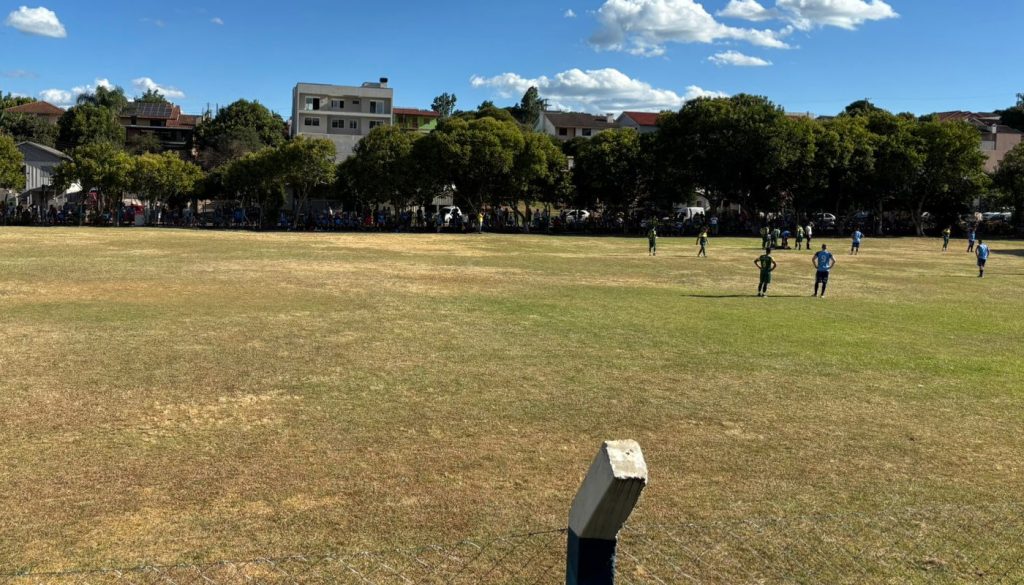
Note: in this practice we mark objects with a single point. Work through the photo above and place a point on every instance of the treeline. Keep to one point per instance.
(740, 150)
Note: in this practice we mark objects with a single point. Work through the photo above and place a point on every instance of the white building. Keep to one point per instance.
(40, 162)
(343, 114)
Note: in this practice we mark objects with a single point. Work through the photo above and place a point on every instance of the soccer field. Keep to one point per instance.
(182, 396)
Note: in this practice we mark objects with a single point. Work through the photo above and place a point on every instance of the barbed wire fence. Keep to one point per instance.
(974, 544)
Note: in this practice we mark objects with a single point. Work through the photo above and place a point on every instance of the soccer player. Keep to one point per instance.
(809, 232)
(652, 241)
(945, 237)
(972, 235)
(855, 244)
(799, 237)
(823, 261)
(766, 264)
(764, 237)
(982, 254)
(702, 240)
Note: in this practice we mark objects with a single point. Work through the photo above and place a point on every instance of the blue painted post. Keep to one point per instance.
(601, 506)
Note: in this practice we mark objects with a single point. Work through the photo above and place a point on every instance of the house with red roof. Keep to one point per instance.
(642, 122)
(165, 121)
(413, 120)
(40, 109)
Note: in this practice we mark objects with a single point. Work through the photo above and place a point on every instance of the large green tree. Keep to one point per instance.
(609, 170)
(26, 127)
(1009, 178)
(952, 171)
(242, 127)
(529, 109)
(113, 99)
(151, 96)
(101, 165)
(161, 177)
(307, 165)
(89, 123)
(381, 170)
(10, 100)
(11, 162)
(444, 104)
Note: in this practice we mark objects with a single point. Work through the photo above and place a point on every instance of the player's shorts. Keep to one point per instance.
(981, 262)
(766, 278)
(856, 244)
(822, 277)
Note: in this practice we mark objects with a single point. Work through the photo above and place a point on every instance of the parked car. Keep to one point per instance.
(574, 216)
(450, 212)
(824, 221)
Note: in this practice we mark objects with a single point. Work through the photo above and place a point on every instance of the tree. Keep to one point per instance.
(540, 173)
(143, 143)
(11, 162)
(10, 100)
(26, 127)
(307, 164)
(112, 99)
(444, 104)
(152, 96)
(952, 170)
(161, 177)
(476, 156)
(1014, 117)
(381, 169)
(1009, 178)
(256, 177)
(529, 109)
(101, 165)
(240, 128)
(608, 169)
(88, 123)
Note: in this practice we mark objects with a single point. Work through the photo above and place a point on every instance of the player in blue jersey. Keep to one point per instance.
(982, 254)
(855, 244)
(823, 261)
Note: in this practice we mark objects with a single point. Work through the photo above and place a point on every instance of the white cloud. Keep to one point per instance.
(19, 74)
(807, 14)
(570, 13)
(57, 97)
(36, 21)
(737, 59)
(145, 83)
(643, 27)
(597, 90)
(848, 14)
(747, 10)
(65, 98)
(217, 20)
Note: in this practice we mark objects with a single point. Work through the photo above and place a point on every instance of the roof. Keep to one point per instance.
(415, 112)
(643, 118)
(44, 148)
(150, 110)
(580, 120)
(37, 108)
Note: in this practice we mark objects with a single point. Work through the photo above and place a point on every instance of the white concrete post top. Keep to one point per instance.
(609, 492)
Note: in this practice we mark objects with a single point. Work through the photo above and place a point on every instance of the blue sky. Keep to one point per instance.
(598, 55)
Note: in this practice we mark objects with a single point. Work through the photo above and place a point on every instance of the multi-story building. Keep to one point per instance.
(997, 140)
(568, 125)
(343, 114)
(164, 121)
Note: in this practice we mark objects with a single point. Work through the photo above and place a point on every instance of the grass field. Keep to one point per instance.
(179, 396)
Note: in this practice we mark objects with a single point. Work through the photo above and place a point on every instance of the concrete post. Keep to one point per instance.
(601, 506)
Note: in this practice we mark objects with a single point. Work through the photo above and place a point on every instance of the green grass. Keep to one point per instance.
(175, 396)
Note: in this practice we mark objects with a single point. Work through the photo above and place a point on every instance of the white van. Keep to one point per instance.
(689, 213)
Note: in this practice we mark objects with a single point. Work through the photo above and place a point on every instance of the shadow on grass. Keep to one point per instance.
(749, 296)
(1014, 252)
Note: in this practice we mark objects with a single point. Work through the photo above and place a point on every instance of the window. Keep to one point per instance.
(563, 131)
(312, 103)
(587, 131)
(311, 121)
(338, 104)
(355, 102)
(376, 107)
(353, 124)
(338, 124)
(375, 123)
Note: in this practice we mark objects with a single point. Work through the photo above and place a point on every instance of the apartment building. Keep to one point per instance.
(341, 113)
